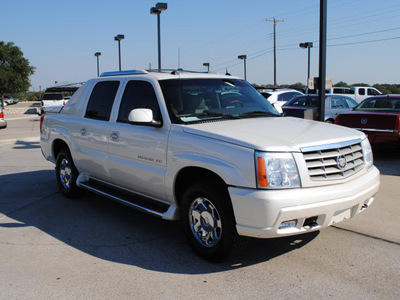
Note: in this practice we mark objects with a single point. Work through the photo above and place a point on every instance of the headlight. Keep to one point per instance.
(276, 171)
(368, 157)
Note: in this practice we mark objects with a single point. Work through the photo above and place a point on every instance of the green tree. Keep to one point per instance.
(341, 84)
(360, 84)
(14, 70)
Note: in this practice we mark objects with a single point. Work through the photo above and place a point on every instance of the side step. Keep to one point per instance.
(135, 201)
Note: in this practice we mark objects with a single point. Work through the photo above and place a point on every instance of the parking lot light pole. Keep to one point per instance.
(97, 54)
(157, 11)
(244, 57)
(118, 38)
(307, 45)
(206, 64)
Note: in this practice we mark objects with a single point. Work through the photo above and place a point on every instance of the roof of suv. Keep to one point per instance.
(166, 74)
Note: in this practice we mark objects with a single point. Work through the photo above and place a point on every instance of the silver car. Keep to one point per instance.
(334, 105)
(3, 123)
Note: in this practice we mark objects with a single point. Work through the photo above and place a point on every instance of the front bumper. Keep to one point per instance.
(263, 213)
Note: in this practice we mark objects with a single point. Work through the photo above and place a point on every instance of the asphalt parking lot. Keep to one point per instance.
(91, 248)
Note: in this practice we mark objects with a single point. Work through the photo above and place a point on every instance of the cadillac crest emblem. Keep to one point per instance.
(341, 162)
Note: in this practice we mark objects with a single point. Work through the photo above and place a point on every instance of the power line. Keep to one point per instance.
(365, 42)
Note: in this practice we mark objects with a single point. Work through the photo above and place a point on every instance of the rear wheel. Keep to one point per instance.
(208, 220)
(66, 174)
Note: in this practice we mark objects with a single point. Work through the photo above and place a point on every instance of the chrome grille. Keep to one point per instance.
(323, 163)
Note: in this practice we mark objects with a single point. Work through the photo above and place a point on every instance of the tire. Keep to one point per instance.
(66, 174)
(208, 220)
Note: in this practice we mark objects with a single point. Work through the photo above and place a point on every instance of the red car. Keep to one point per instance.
(378, 117)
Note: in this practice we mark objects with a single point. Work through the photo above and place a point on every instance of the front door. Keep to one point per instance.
(138, 154)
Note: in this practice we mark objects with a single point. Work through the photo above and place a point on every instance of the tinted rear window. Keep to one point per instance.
(101, 100)
(52, 97)
(388, 104)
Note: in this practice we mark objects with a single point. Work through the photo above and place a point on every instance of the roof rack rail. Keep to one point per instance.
(126, 72)
(174, 71)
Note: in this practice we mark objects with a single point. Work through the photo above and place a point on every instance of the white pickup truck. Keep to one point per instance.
(210, 150)
(362, 92)
(358, 93)
(52, 102)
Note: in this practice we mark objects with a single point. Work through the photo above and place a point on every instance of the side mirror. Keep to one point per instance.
(143, 116)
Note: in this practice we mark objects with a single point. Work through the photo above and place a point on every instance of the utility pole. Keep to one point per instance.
(322, 57)
(274, 21)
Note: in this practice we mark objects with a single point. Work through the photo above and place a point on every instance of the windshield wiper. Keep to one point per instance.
(257, 113)
(212, 114)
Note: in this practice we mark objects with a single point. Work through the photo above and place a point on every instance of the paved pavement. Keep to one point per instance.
(22, 123)
(92, 248)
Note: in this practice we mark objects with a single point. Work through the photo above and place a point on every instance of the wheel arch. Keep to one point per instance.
(188, 175)
(330, 120)
(59, 144)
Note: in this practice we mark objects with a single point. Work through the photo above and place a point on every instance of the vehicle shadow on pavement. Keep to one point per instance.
(21, 144)
(387, 160)
(110, 231)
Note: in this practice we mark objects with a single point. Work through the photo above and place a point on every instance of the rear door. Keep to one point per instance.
(92, 136)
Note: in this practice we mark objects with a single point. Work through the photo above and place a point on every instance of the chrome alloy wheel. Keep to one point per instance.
(65, 173)
(205, 222)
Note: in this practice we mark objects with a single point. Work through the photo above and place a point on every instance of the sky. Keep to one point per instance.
(60, 38)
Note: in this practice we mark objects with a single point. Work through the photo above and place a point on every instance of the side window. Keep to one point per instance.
(101, 100)
(338, 103)
(361, 91)
(138, 94)
(286, 96)
(372, 92)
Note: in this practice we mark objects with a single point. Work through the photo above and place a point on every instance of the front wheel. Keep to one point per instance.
(66, 174)
(208, 220)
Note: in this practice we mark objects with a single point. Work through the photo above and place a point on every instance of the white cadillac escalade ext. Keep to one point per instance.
(210, 150)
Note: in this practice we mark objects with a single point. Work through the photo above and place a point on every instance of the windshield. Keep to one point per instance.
(377, 104)
(198, 100)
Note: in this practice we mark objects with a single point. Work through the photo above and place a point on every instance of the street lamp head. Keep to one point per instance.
(158, 8)
(242, 56)
(161, 6)
(119, 37)
(97, 54)
(306, 45)
(206, 64)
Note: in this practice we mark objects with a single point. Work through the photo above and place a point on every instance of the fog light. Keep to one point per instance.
(288, 224)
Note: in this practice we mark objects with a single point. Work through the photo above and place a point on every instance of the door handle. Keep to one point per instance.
(83, 131)
(115, 136)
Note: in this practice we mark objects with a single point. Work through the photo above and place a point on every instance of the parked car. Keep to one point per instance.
(331, 91)
(357, 93)
(52, 102)
(209, 150)
(378, 117)
(3, 122)
(279, 97)
(9, 100)
(362, 92)
(334, 105)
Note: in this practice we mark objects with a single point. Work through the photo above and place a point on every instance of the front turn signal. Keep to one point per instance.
(261, 172)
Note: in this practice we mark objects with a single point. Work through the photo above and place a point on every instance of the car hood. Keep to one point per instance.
(275, 133)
